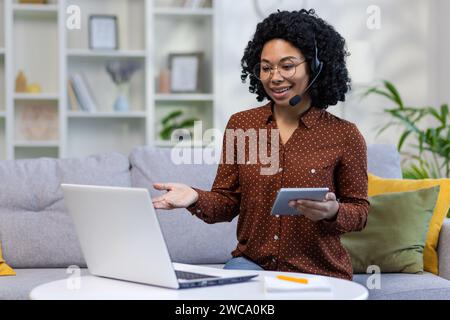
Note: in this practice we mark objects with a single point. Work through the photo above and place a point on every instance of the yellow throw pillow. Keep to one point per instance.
(5, 270)
(379, 185)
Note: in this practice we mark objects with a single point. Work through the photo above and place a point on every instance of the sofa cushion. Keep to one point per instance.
(402, 286)
(5, 270)
(35, 229)
(20, 286)
(394, 237)
(189, 239)
(444, 250)
(383, 160)
(378, 186)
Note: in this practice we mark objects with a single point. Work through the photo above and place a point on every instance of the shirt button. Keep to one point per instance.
(276, 237)
(313, 170)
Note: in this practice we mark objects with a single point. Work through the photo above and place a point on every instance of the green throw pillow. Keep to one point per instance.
(395, 234)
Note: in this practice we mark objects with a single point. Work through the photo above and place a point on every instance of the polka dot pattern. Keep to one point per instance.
(323, 151)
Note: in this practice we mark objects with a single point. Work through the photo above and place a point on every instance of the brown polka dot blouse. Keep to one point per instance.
(324, 151)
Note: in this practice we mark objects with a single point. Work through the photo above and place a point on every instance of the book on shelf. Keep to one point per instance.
(83, 93)
(73, 102)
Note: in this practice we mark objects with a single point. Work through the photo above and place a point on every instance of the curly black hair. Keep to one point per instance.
(301, 28)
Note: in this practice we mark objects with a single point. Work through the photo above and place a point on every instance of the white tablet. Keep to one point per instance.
(281, 205)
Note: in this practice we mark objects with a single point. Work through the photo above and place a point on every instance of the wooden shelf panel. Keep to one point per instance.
(36, 144)
(106, 53)
(36, 96)
(184, 97)
(106, 115)
(169, 144)
(172, 11)
(21, 7)
(33, 11)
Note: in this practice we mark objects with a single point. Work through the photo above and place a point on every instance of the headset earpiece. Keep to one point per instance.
(316, 65)
(316, 68)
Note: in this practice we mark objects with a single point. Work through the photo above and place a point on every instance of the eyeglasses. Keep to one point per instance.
(264, 71)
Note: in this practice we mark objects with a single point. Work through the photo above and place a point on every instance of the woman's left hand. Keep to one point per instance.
(317, 210)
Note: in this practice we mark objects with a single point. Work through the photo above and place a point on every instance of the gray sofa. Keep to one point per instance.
(39, 241)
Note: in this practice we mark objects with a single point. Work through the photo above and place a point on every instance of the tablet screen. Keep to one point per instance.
(281, 204)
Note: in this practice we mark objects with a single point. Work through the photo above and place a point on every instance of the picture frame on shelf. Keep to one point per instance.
(185, 72)
(103, 32)
(37, 122)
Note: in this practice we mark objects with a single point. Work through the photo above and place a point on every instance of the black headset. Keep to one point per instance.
(316, 68)
(316, 65)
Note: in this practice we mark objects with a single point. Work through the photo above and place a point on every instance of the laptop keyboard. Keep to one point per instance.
(191, 275)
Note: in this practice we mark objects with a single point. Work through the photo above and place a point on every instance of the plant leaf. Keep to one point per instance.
(394, 93)
(165, 133)
(389, 124)
(403, 137)
(170, 116)
(379, 92)
(444, 114)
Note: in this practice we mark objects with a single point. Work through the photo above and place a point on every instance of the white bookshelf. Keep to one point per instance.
(169, 144)
(36, 96)
(35, 8)
(106, 115)
(35, 39)
(4, 109)
(117, 54)
(170, 11)
(184, 97)
(30, 45)
(36, 144)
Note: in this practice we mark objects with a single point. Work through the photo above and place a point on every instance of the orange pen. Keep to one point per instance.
(298, 280)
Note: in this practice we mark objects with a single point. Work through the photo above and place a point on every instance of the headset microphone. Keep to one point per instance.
(298, 97)
(316, 68)
(295, 100)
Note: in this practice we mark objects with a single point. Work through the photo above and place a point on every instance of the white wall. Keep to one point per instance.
(400, 49)
(441, 34)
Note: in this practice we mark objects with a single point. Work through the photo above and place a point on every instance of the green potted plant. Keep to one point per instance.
(430, 155)
(172, 122)
(430, 143)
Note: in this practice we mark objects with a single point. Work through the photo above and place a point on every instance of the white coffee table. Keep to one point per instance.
(93, 287)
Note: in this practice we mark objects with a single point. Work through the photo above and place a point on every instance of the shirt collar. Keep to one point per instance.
(308, 118)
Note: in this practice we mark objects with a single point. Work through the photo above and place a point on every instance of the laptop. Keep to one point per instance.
(121, 238)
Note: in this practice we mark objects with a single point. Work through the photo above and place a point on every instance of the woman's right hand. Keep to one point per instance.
(178, 195)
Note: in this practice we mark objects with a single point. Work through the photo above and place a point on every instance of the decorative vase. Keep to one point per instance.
(121, 104)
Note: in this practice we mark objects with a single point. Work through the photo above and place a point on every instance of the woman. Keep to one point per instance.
(296, 61)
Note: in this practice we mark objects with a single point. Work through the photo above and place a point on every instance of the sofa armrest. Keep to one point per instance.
(444, 250)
